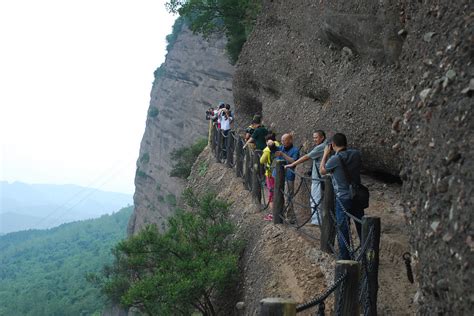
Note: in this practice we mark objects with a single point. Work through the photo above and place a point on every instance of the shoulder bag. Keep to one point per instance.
(359, 193)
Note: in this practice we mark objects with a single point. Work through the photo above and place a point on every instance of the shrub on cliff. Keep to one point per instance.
(153, 112)
(180, 271)
(171, 38)
(235, 18)
(184, 158)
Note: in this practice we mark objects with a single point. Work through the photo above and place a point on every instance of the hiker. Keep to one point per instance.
(258, 136)
(288, 153)
(251, 128)
(266, 159)
(319, 138)
(218, 111)
(225, 119)
(210, 114)
(344, 168)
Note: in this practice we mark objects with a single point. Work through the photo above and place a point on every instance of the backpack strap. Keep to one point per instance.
(346, 170)
(319, 174)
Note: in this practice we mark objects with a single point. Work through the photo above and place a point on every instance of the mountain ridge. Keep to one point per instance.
(53, 204)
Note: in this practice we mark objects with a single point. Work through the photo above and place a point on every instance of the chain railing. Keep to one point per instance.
(351, 289)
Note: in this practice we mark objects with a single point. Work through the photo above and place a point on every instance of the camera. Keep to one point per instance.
(209, 114)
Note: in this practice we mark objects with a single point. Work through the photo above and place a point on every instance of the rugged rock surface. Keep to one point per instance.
(326, 65)
(195, 76)
(438, 146)
(397, 78)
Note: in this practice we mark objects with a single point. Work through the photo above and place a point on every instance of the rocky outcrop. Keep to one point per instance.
(326, 65)
(195, 76)
(397, 78)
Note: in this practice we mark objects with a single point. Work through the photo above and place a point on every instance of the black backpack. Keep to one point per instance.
(359, 192)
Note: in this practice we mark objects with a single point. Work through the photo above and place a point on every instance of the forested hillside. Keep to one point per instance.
(43, 272)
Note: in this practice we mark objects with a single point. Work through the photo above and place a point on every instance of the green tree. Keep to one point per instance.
(235, 18)
(180, 271)
(184, 158)
(43, 272)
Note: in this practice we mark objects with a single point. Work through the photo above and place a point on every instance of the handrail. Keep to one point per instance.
(228, 146)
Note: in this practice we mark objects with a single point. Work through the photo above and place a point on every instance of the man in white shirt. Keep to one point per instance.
(319, 138)
(225, 119)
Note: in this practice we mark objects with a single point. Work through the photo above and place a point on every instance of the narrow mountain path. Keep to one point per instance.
(281, 262)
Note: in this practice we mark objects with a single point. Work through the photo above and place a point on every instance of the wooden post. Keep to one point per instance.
(209, 134)
(256, 185)
(347, 294)
(370, 262)
(239, 157)
(212, 137)
(278, 196)
(218, 145)
(277, 307)
(328, 229)
(230, 149)
(247, 167)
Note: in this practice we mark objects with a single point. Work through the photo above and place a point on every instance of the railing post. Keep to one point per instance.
(247, 167)
(347, 300)
(278, 196)
(370, 260)
(218, 145)
(328, 228)
(239, 157)
(277, 307)
(209, 134)
(212, 138)
(256, 185)
(230, 149)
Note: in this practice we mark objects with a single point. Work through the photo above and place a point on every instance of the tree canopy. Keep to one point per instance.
(43, 272)
(181, 270)
(235, 18)
(183, 158)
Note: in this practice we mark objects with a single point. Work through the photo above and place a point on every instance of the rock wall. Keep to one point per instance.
(195, 76)
(437, 146)
(396, 76)
(326, 65)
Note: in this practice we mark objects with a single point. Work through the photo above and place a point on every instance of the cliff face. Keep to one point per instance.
(397, 78)
(326, 65)
(195, 76)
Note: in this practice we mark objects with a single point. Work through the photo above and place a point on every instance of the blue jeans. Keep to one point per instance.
(343, 231)
(343, 224)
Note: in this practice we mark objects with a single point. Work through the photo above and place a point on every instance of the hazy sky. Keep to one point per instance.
(75, 81)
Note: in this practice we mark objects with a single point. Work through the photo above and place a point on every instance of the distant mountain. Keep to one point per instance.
(38, 206)
(43, 272)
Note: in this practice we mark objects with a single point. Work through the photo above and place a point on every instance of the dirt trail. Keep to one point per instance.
(281, 262)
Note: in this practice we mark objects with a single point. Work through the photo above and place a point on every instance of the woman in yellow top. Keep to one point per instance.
(266, 160)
